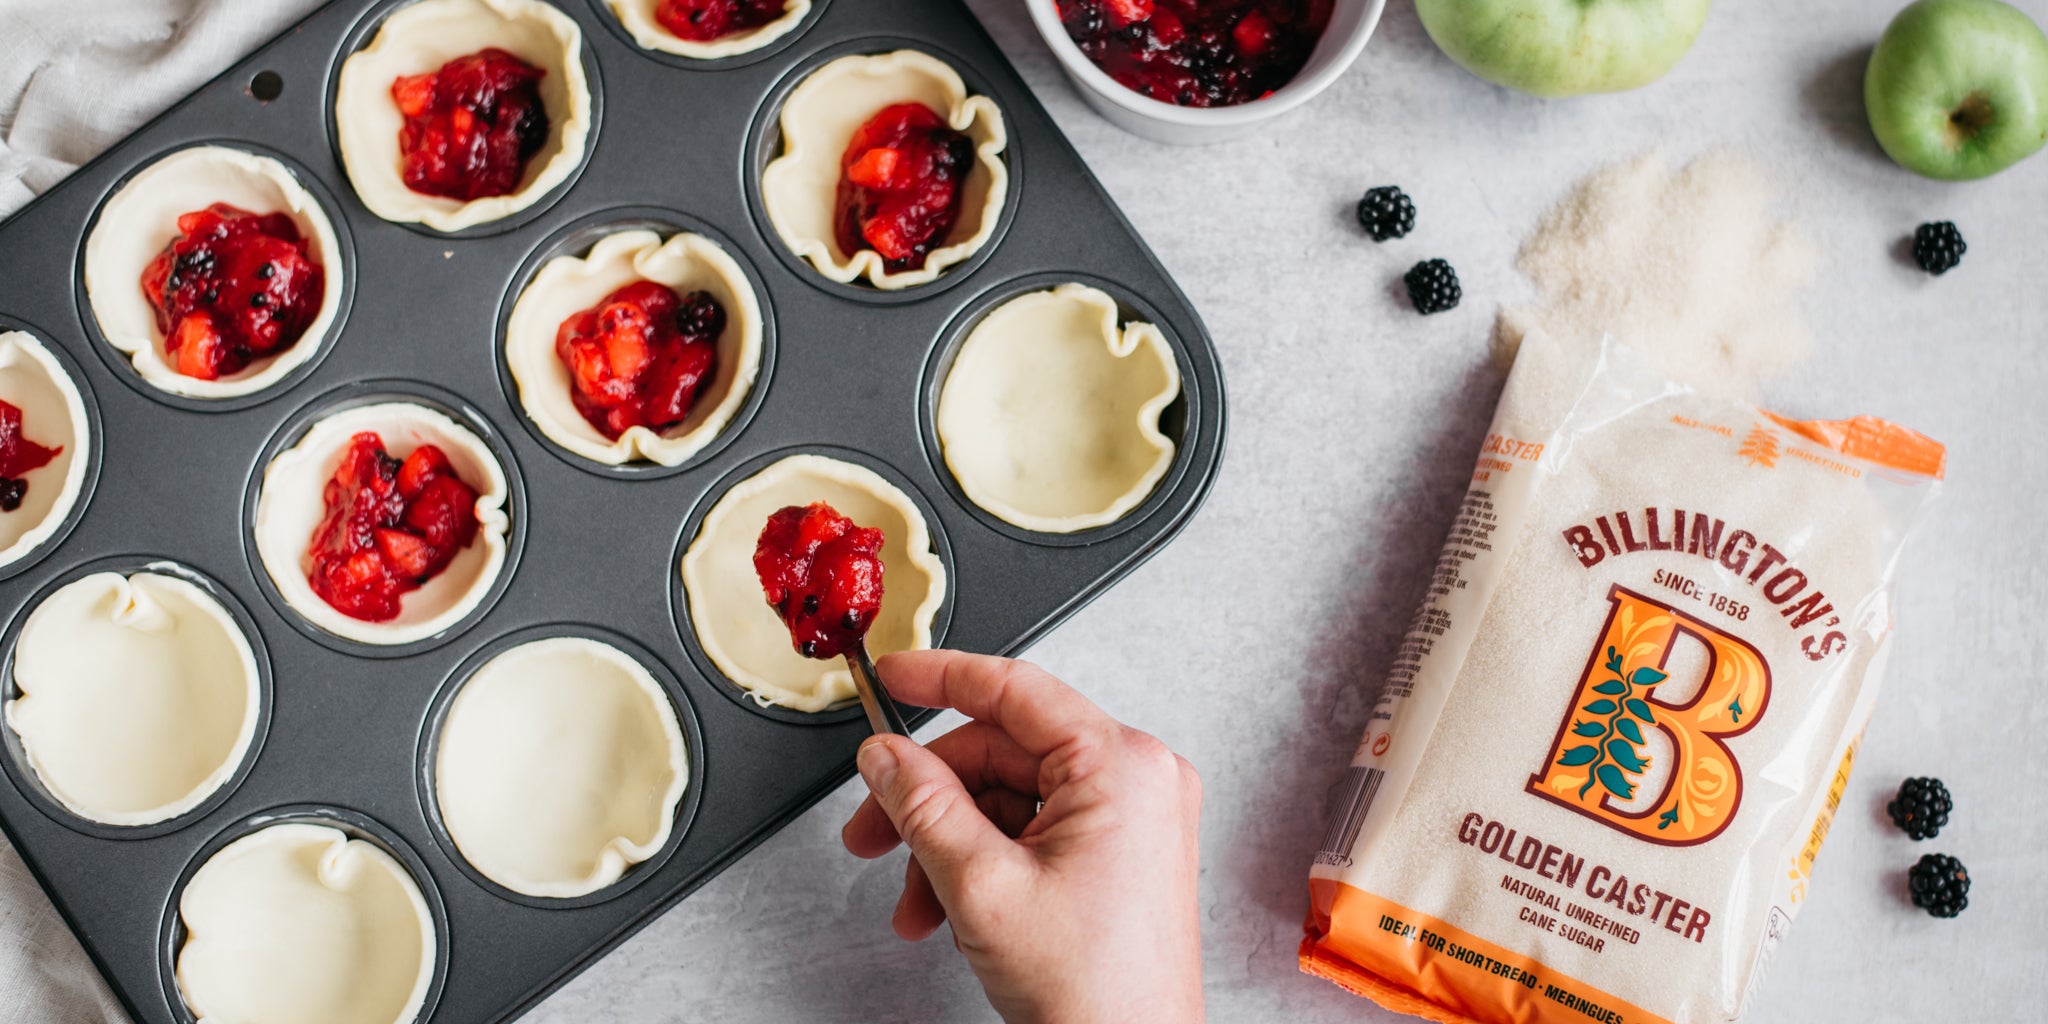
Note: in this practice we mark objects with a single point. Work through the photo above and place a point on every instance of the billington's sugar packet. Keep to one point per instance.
(1617, 730)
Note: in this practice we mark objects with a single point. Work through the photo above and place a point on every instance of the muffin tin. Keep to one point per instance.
(847, 371)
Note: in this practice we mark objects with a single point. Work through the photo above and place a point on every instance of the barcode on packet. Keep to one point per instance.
(1348, 815)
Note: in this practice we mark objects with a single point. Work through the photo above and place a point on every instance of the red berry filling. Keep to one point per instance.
(1197, 53)
(471, 126)
(641, 357)
(390, 527)
(233, 287)
(900, 184)
(823, 574)
(18, 455)
(702, 21)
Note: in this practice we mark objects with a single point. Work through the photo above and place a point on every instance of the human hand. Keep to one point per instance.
(1083, 910)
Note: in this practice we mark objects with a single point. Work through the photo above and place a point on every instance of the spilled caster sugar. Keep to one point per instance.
(1689, 267)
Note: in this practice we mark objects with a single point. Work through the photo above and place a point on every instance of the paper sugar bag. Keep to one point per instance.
(1616, 731)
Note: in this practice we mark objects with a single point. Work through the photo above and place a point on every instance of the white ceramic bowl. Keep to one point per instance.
(1351, 24)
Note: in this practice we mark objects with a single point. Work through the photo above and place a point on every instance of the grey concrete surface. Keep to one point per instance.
(1248, 644)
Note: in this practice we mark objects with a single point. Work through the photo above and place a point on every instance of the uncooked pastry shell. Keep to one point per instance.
(1049, 417)
(560, 767)
(418, 39)
(141, 218)
(291, 504)
(799, 189)
(52, 414)
(741, 633)
(567, 285)
(298, 922)
(139, 696)
(638, 18)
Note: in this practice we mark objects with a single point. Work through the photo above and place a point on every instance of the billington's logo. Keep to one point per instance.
(1657, 769)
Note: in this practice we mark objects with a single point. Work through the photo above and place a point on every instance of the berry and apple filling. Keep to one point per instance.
(232, 288)
(823, 575)
(641, 357)
(1197, 53)
(702, 21)
(390, 527)
(900, 185)
(471, 126)
(18, 456)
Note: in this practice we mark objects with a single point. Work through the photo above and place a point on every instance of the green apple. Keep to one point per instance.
(1958, 89)
(1565, 47)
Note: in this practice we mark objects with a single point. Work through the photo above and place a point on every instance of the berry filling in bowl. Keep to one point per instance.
(642, 349)
(709, 29)
(1197, 53)
(233, 287)
(1199, 71)
(390, 527)
(640, 357)
(44, 438)
(900, 185)
(385, 524)
(214, 272)
(471, 126)
(889, 170)
(824, 572)
(823, 576)
(463, 112)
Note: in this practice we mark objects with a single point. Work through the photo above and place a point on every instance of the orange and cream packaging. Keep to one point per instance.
(1616, 732)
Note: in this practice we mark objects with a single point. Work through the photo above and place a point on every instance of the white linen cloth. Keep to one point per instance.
(75, 77)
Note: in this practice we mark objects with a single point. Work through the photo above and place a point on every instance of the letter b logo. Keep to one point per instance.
(1605, 761)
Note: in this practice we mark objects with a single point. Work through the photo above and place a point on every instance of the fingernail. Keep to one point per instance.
(877, 764)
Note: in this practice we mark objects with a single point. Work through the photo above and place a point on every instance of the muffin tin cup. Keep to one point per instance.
(679, 597)
(355, 825)
(848, 372)
(15, 760)
(371, 392)
(764, 144)
(362, 33)
(95, 431)
(678, 703)
(768, 51)
(123, 364)
(1179, 421)
(575, 239)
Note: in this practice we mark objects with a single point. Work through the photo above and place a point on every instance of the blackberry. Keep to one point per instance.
(12, 491)
(1433, 287)
(1386, 212)
(1921, 808)
(1940, 885)
(699, 317)
(1938, 247)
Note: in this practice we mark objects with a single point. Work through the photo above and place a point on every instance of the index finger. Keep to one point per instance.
(1027, 702)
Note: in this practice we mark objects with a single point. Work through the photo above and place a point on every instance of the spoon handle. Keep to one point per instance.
(883, 717)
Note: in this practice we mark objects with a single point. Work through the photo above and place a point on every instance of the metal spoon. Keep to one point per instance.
(883, 717)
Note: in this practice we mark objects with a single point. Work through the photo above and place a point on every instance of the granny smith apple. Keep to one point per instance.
(1958, 89)
(1565, 47)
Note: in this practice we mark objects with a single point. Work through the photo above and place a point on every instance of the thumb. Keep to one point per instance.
(930, 808)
